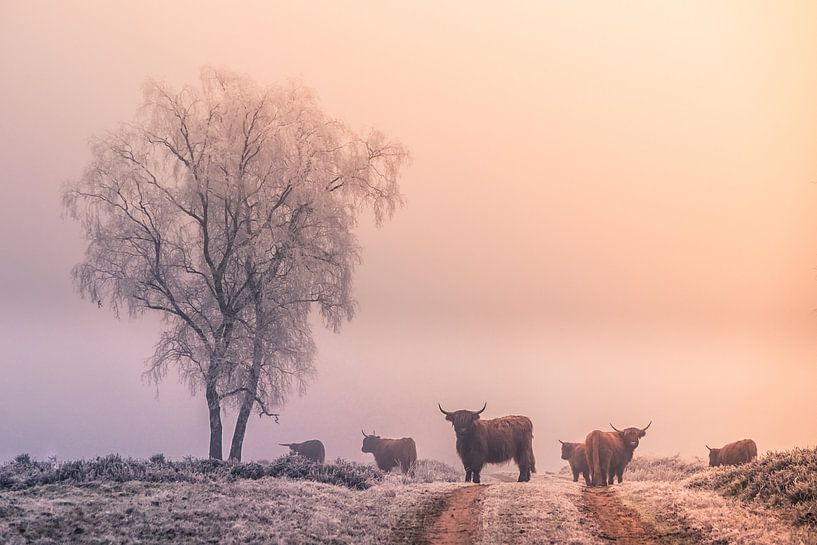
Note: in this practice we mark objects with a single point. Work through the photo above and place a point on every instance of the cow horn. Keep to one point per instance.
(707, 446)
(285, 444)
(446, 413)
(615, 428)
(483, 408)
(363, 432)
(562, 442)
(648, 425)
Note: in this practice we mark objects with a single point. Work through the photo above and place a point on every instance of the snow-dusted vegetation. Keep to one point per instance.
(662, 468)
(783, 480)
(23, 472)
(115, 499)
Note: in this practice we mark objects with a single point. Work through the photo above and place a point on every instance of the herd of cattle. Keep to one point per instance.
(601, 458)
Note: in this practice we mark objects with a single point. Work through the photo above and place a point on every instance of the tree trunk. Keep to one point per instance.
(241, 427)
(255, 373)
(214, 408)
(249, 396)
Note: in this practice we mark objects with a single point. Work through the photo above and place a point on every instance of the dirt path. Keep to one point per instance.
(621, 524)
(458, 523)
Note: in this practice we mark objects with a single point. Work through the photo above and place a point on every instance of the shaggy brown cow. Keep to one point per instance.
(576, 456)
(481, 442)
(608, 453)
(733, 454)
(312, 449)
(389, 453)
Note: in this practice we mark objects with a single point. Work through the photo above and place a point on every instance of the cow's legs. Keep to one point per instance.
(605, 473)
(620, 476)
(467, 475)
(575, 475)
(477, 470)
(587, 480)
(524, 463)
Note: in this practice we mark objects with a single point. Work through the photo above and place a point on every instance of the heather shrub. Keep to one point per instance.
(662, 468)
(22, 472)
(785, 480)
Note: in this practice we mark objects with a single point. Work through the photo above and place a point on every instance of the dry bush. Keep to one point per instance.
(431, 471)
(785, 480)
(662, 468)
(22, 472)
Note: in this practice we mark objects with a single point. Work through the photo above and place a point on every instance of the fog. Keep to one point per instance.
(611, 216)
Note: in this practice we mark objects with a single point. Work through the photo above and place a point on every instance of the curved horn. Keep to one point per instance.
(615, 428)
(483, 408)
(562, 442)
(363, 432)
(286, 444)
(446, 413)
(648, 425)
(707, 446)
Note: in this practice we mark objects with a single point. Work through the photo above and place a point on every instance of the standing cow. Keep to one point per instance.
(481, 442)
(389, 453)
(609, 452)
(733, 454)
(576, 456)
(312, 449)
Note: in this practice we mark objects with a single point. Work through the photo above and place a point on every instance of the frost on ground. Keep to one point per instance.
(544, 510)
(266, 510)
(672, 507)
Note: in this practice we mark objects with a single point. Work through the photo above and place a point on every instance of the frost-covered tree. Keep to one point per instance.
(230, 209)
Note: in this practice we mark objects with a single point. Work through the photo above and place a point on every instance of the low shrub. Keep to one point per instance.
(22, 472)
(785, 480)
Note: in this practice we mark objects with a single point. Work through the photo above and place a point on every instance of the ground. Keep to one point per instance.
(551, 509)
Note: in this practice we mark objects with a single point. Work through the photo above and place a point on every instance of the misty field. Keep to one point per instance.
(293, 500)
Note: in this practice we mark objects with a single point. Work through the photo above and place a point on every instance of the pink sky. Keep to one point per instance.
(611, 215)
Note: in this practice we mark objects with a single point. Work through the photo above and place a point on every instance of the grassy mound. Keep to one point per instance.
(23, 472)
(662, 468)
(785, 480)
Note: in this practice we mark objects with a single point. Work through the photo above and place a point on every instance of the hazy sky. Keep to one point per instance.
(611, 215)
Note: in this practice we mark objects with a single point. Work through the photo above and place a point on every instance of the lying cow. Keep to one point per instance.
(609, 452)
(481, 442)
(389, 453)
(733, 454)
(576, 456)
(312, 449)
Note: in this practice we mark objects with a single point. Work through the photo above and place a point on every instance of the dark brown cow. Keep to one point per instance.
(609, 452)
(312, 449)
(481, 442)
(389, 453)
(576, 456)
(733, 454)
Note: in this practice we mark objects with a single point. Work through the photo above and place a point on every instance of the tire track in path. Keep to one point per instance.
(459, 522)
(623, 525)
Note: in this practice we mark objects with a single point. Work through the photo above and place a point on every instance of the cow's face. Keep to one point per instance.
(631, 436)
(567, 450)
(369, 443)
(713, 457)
(463, 422)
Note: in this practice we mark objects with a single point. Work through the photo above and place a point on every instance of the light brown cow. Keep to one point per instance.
(733, 454)
(576, 456)
(481, 442)
(389, 453)
(609, 452)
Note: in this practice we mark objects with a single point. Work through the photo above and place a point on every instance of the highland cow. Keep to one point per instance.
(733, 454)
(389, 453)
(495, 441)
(576, 456)
(608, 453)
(312, 449)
